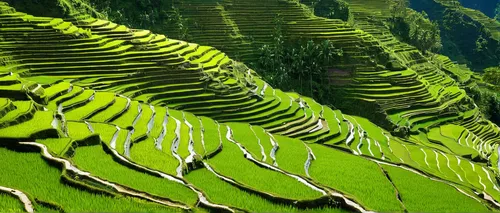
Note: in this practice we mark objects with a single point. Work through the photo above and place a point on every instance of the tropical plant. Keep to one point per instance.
(487, 101)
(338, 9)
(179, 22)
(298, 65)
(398, 8)
(492, 75)
(301, 67)
(415, 28)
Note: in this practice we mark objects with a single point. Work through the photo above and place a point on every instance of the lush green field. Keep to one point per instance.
(10, 203)
(157, 124)
(94, 159)
(349, 174)
(224, 193)
(422, 194)
(45, 185)
(230, 162)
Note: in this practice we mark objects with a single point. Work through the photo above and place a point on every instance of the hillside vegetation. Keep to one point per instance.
(100, 117)
(480, 49)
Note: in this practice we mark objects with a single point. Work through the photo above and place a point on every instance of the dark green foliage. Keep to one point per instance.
(492, 75)
(47, 8)
(298, 65)
(488, 102)
(414, 28)
(399, 8)
(332, 9)
(180, 23)
(154, 15)
(486, 6)
(146, 14)
(480, 48)
(466, 39)
(486, 95)
(55, 8)
(497, 12)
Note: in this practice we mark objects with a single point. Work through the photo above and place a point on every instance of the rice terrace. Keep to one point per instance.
(249, 106)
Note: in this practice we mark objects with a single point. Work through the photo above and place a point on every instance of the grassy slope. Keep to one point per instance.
(44, 184)
(329, 168)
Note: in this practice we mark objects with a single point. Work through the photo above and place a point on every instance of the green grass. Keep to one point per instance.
(40, 208)
(120, 141)
(315, 106)
(454, 164)
(265, 141)
(128, 117)
(14, 87)
(9, 203)
(221, 192)
(489, 182)
(57, 88)
(451, 171)
(418, 155)
(451, 130)
(119, 105)
(78, 130)
(197, 133)
(105, 131)
(421, 194)
(53, 104)
(56, 145)
(244, 135)
(22, 108)
(436, 136)
(375, 133)
(285, 104)
(83, 97)
(96, 161)
(4, 102)
(231, 163)
(402, 154)
(292, 155)
(141, 127)
(343, 128)
(184, 134)
(45, 185)
(158, 122)
(101, 100)
(115, 65)
(431, 159)
(170, 135)
(146, 154)
(211, 134)
(353, 175)
(41, 121)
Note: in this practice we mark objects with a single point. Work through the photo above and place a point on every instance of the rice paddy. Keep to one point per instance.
(45, 185)
(10, 203)
(421, 194)
(103, 166)
(157, 124)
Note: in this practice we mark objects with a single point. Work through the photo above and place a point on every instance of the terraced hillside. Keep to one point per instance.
(408, 88)
(129, 120)
(486, 7)
(241, 27)
(359, 48)
(371, 53)
(481, 50)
